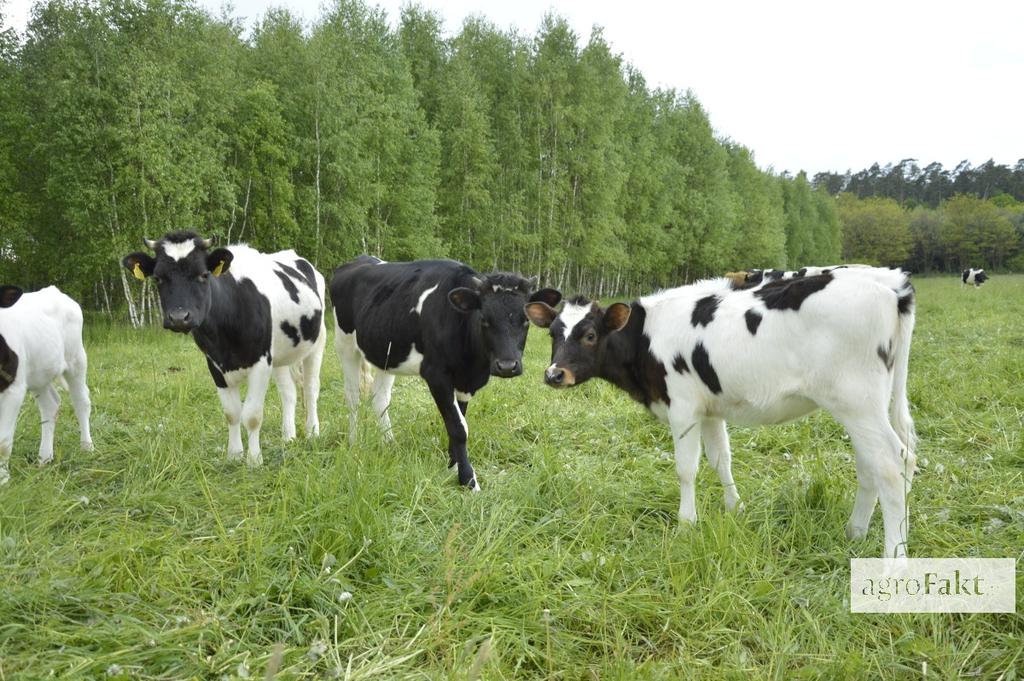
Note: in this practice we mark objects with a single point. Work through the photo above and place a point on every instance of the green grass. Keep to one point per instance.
(154, 557)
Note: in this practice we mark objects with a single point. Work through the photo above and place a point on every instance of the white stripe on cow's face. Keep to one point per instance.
(571, 316)
(423, 296)
(177, 251)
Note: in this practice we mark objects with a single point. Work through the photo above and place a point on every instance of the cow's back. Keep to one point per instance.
(45, 329)
(397, 307)
(294, 291)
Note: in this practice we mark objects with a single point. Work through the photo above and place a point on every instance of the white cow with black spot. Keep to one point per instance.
(255, 316)
(700, 355)
(40, 344)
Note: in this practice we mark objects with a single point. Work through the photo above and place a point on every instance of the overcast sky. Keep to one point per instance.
(813, 85)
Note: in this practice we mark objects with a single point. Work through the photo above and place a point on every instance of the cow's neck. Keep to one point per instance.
(626, 361)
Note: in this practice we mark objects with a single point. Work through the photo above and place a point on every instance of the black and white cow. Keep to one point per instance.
(254, 315)
(700, 355)
(433, 318)
(40, 344)
(973, 276)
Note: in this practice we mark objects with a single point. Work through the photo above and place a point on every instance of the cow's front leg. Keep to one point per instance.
(686, 436)
(442, 390)
(286, 388)
(231, 403)
(252, 408)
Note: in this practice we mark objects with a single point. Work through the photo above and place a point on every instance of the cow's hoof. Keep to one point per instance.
(856, 533)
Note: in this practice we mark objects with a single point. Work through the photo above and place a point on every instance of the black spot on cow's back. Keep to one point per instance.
(308, 273)
(310, 326)
(291, 332)
(753, 318)
(679, 364)
(702, 365)
(790, 294)
(704, 310)
(289, 285)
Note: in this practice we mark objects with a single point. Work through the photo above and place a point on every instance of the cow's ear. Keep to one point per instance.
(548, 296)
(9, 295)
(464, 299)
(139, 264)
(616, 316)
(540, 313)
(219, 261)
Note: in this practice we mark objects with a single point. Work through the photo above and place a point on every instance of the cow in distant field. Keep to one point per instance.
(700, 355)
(40, 344)
(254, 315)
(972, 276)
(437, 319)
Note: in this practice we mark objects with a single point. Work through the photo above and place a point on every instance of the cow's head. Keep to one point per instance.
(579, 335)
(182, 269)
(498, 301)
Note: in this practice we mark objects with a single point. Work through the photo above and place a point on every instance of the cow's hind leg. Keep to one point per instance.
(716, 442)
(883, 469)
(382, 385)
(80, 401)
(49, 402)
(351, 365)
(10, 404)
(311, 383)
(286, 388)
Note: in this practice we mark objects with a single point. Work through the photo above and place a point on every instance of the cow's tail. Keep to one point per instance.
(899, 409)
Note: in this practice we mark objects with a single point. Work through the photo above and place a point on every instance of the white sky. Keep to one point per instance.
(807, 84)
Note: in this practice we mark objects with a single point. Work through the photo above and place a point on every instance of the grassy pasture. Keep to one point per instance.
(154, 557)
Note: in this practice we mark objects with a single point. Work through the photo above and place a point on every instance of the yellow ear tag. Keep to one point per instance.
(137, 271)
(218, 269)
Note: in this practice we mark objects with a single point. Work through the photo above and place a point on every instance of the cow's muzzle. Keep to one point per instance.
(558, 377)
(506, 368)
(179, 321)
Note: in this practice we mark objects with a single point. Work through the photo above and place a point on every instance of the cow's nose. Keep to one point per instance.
(178, 320)
(506, 368)
(554, 375)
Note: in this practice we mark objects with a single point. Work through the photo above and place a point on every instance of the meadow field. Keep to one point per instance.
(156, 558)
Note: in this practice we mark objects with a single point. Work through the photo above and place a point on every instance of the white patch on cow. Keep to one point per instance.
(462, 419)
(410, 366)
(423, 296)
(178, 250)
(463, 397)
(572, 315)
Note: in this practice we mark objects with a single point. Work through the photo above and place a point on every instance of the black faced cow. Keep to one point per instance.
(254, 315)
(973, 277)
(699, 355)
(437, 319)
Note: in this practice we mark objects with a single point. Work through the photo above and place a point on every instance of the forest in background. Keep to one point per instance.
(542, 154)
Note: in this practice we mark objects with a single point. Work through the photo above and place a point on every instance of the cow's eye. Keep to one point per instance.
(485, 324)
(203, 277)
(590, 337)
(157, 280)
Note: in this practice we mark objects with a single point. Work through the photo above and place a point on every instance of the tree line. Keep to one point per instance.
(929, 219)
(541, 154)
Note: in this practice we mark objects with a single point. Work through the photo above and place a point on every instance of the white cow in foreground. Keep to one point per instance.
(755, 353)
(40, 343)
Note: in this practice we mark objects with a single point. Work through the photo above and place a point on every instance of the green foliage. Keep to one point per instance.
(876, 231)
